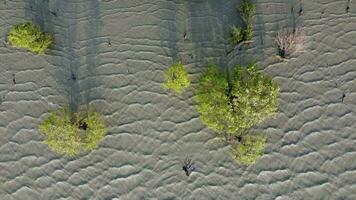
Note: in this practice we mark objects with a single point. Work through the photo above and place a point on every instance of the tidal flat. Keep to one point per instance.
(111, 54)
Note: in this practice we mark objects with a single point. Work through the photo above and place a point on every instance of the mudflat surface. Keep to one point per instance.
(117, 51)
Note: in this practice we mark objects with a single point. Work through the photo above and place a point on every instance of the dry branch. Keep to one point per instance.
(289, 41)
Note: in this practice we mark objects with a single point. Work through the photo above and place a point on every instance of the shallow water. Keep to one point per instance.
(311, 142)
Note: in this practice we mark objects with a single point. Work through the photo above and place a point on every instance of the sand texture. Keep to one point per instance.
(117, 51)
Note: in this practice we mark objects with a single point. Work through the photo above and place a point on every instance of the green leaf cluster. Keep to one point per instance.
(176, 78)
(248, 33)
(212, 101)
(247, 11)
(248, 150)
(236, 35)
(235, 104)
(27, 35)
(231, 103)
(73, 133)
(253, 97)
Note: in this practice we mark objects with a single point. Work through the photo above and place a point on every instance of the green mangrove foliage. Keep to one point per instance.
(27, 35)
(248, 150)
(176, 78)
(230, 104)
(236, 35)
(247, 11)
(73, 133)
(212, 101)
(235, 104)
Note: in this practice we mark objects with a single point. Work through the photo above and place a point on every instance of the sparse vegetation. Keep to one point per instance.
(288, 41)
(176, 78)
(248, 150)
(247, 11)
(232, 103)
(72, 133)
(27, 35)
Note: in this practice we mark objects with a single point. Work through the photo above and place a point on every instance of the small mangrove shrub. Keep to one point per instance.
(248, 150)
(176, 78)
(247, 12)
(73, 133)
(248, 33)
(236, 35)
(27, 35)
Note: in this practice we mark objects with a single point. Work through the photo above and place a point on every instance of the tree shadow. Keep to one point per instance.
(209, 25)
(65, 67)
(170, 30)
(92, 58)
(62, 18)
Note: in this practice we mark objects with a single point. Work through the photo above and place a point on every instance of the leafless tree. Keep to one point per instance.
(288, 41)
(188, 166)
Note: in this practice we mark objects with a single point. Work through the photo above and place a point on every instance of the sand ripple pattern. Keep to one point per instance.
(118, 49)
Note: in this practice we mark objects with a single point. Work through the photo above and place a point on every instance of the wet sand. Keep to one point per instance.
(117, 51)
